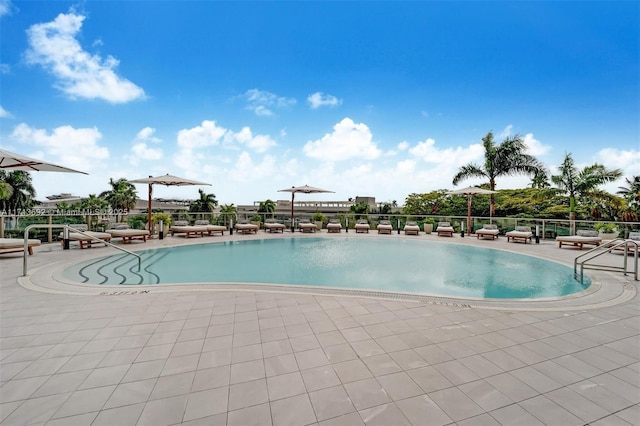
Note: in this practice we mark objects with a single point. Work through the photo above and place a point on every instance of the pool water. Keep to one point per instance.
(421, 267)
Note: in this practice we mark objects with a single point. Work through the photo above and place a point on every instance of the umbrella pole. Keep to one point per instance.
(292, 195)
(149, 211)
(469, 214)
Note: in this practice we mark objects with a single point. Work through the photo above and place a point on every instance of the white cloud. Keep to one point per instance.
(6, 7)
(75, 148)
(348, 140)
(429, 153)
(246, 170)
(403, 146)
(259, 143)
(319, 99)
(261, 102)
(141, 149)
(79, 74)
(628, 161)
(534, 146)
(506, 132)
(207, 134)
(5, 69)
(4, 113)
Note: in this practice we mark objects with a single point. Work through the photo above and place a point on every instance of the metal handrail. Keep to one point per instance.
(70, 228)
(605, 248)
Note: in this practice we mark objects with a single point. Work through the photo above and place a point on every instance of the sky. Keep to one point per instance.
(379, 99)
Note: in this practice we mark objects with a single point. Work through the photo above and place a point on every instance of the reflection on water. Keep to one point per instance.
(373, 263)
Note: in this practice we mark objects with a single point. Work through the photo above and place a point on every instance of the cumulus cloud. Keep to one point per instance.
(262, 102)
(141, 150)
(207, 134)
(348, 140)
(534, 146)
(429, 153)
(79, 74)
(247, 170)
(6, 8)
(258, 143)
(628, 161)
(75, 148)
(319, 99)
(4, 113)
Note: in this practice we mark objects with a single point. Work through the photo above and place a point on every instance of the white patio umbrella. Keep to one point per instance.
(12, 161)
(469, 192)
(306, 189)
(167, 180)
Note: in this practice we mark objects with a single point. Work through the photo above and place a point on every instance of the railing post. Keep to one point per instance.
(65, 238)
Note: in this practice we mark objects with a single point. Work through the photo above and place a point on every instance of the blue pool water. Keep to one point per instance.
(373, 263)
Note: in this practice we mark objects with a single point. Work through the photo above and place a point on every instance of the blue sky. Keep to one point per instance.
(364, 98)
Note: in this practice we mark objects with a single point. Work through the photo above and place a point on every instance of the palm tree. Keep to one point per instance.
(581, 183)
(506, 159)
(22, 190)
(93, 206)
(228, 211)
(632, 191)
(5, 191)
(267, 206)
(206, 203)
(540, 180)
(122, 196)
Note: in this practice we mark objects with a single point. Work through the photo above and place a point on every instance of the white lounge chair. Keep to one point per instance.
(581, 238)
(488, 230)
(305, 225)
(384, 227)
(87, 238)
(183, 227)
(124, 231)
(211, 229)
(16, 245)
(334, 225)
(246, 228)
(411, 228)
(271, 225)
(522, 233)
(444, 229)
(362, 226)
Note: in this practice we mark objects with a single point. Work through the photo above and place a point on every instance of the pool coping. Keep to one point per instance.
(606, 289)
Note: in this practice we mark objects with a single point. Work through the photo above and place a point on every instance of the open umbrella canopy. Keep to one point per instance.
(12, 161)
(167, 180)
(306, 189)
(469, 192)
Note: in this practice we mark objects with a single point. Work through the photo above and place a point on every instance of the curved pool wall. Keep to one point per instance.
(408, 266)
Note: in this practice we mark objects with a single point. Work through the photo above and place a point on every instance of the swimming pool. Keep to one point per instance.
(411, 266)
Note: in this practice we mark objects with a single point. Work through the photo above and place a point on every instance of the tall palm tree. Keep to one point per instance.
(632, 191)
(5, 191)
(206, 203)
(121, 196)
(93, 206)
(506, 159)
(581, 183)
(267, 206)
(22, 191)
(227, 212)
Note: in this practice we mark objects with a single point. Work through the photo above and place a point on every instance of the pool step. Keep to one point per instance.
(114, 270)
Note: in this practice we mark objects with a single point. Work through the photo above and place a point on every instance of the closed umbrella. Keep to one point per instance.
(12, 161)
(306, 189)
(167, 180)
(469, 192)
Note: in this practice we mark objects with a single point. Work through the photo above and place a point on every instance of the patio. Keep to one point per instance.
(169, 355)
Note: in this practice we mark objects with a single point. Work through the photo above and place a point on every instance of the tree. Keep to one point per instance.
(581, 183)
(632, 191)
(506, 159)
(267, 206)
(228, 212)
(207, 203)
(121, 196)
(22, 190)
(93, 206)
(5, 191)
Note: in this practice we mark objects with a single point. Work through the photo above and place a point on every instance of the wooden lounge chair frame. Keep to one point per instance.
(581, 238)
(411, 228)
(444, 229)
(385, 227)
(16, 245)
(520, 233)
(489, 230)
(362, 226)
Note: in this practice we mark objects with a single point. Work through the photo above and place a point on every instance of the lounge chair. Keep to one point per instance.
(271, 225)
(334, 225)
(246, 228)
(520, 233)
(411, 228)
(16, 245)
(488, 230)
(384, 227)
(633, 236)
(581, 238)
(305, 225)
(444, 229)
(362, 226)
(87, 238)
(211, 229)
(183, 227)
(122, 230)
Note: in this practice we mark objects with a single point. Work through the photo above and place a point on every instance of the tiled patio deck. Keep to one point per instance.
(195, 356)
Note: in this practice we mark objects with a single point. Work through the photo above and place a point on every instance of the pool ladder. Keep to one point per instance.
(618, 243)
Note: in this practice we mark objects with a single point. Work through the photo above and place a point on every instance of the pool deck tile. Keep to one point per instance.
(240, 356)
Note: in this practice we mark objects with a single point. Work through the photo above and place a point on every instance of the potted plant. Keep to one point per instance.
(607, 230)
(428, 225)
(318, 218)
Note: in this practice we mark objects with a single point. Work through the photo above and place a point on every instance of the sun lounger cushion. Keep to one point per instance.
(211, 229)
(127, 234)
(305, 225)
(246, 228)
(444, 228)
(334, 225)
(270, 225)
(411, 228)
(362, 226)
(520, 233)
(582, 237)
(183, 227)
(384, 227)
(16, 245)
(488, 230)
